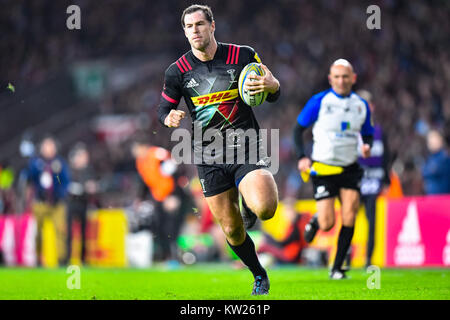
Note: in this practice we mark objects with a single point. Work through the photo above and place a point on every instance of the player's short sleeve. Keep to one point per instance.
(171, 90)
(367, 128)
(250, 54)
(310, 112)
(255, 57)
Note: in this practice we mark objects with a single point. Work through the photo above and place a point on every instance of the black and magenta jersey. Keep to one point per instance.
(210, 89)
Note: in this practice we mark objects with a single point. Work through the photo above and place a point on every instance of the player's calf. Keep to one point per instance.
(247, 253)
(248, 216)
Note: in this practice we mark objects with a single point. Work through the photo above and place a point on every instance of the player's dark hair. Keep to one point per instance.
(198, 7)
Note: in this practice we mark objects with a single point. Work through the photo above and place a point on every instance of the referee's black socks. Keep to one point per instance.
(345, 238)
(247, 253)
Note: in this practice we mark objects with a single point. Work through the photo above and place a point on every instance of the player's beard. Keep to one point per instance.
(201, 46)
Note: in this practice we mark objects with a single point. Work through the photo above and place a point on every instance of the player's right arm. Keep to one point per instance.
(306, 118)
(170, 98)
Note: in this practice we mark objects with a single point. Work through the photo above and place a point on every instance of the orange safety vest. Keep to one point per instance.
(149, 168)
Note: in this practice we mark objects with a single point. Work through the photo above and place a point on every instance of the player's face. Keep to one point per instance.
(341, 79)
(198, 30)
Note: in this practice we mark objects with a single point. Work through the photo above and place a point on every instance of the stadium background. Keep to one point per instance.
(102, 84)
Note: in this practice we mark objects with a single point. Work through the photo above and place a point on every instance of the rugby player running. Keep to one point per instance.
(207, 78)
(339, 116)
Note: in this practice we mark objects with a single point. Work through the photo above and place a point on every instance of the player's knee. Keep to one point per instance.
(266, 214)
(266, 211)
(326, 227)
(326, 224)
(235, 233)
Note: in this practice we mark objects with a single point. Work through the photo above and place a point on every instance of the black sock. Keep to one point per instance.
(247, 253)
(345, 238)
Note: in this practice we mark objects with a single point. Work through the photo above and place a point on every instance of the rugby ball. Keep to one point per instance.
(251, 100)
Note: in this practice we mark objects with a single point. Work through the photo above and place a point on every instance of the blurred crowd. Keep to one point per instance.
(405, 66)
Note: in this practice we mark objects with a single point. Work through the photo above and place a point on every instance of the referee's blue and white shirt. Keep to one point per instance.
(337, 122)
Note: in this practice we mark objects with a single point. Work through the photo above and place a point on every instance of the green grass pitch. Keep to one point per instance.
(220, 282)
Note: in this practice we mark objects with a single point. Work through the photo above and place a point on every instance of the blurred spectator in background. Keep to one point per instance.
(405, 63)
(7, 195)
(7, 200)
(289, 249)
(436, 171)
(24, 194)
(376, 174)
(208, 223)
(82, 189)
(158, 172)
(48, 174)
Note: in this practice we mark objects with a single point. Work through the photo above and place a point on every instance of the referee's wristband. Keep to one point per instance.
(368, 140)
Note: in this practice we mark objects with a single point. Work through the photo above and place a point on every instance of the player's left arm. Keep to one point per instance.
(266, 83)
(367, 131)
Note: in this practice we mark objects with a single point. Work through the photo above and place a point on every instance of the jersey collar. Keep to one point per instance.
(219, 54)
(341, 96)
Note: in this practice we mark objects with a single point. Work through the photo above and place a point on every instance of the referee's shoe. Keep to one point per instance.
(311, 229)
(338, 274)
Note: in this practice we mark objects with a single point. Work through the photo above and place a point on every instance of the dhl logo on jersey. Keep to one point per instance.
(216, 97)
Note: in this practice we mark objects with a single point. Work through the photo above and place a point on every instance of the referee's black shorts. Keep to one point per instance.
(329, 186)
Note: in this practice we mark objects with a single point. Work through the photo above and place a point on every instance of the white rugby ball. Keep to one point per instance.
(251, 100)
